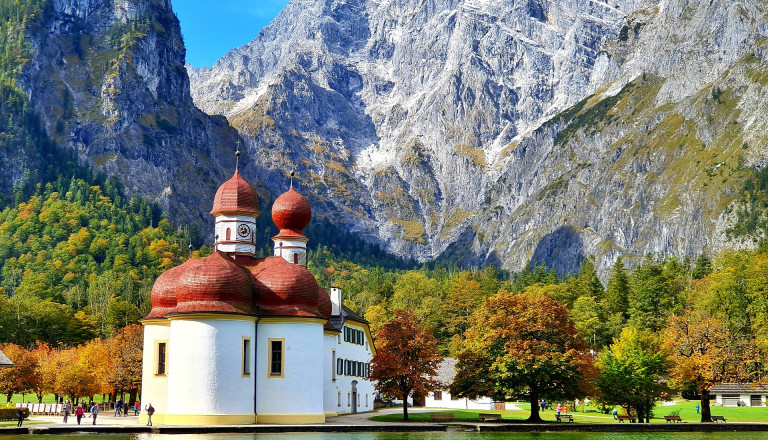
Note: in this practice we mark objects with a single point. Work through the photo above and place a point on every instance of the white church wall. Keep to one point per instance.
(352, 351)
(330, 386)
(205, 372)
(297, 396)
(154, 387)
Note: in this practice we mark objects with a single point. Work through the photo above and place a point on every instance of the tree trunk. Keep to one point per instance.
(8, 397)
(39, 398)
(535, 417)
(706, 413)
(405, 405)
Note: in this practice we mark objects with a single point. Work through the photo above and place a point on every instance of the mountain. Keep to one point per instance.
(495, 131)
(106, 79)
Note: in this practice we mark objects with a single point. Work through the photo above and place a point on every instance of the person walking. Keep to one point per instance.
(136, 408)
(543, 405)
(20, 413)
(79, 413)
(698, 409)
(615, 414)
(94, 412)
(565, 409)
(559, 408)
(150, 410)
(118, 407)
(67, 408)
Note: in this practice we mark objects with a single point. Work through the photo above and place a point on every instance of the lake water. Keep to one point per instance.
(414, 436)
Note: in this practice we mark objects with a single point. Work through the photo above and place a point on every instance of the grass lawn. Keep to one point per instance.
(686, 410)
(46, 399)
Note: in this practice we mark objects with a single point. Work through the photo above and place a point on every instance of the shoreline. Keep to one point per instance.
(391, 427)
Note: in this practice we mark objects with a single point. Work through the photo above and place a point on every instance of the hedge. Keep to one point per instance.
(12, 413)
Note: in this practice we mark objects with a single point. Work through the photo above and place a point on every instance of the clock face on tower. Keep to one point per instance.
(243, 230)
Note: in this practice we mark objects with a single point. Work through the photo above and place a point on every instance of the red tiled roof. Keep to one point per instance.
(285, 288)
(236, 196)
(291, 213)
(215, 280)
(163, 297)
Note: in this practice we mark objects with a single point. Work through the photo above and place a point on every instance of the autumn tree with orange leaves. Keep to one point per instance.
(523, 345)
(704, 352)
(126, 352)
(406, 358)
(18, 378)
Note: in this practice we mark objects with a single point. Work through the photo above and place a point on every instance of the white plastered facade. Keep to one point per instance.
(205, 381)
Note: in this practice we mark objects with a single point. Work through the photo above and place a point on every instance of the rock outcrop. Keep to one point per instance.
(108, 80)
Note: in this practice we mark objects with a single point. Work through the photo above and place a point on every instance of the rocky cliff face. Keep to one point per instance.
(476, 130)
(108, 79)
(400, 116)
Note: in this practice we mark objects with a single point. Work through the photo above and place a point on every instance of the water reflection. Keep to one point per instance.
(411, 436)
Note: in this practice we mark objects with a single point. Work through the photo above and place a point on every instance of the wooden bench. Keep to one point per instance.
(622, 418)
(563, 417)
(486, 417)
(441, 417)
(673, 419)
(718, 419)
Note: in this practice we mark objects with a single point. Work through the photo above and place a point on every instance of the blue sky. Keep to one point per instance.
(213, 28)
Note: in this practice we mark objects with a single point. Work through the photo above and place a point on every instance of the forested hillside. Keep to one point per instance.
(79, 262)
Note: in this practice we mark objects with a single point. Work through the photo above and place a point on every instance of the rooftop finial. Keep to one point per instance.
(292, 174)
(237, 156)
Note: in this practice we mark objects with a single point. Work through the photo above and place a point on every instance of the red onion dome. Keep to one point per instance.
(291, 213)
(163, 297)
(236, 196)
(215, 284)
(286, 289)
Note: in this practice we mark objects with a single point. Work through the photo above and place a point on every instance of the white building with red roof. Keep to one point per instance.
(236, 339)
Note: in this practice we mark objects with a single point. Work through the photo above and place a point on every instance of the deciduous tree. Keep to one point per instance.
(523, 345)
(704, 353)
(406, 358)
(630, 372)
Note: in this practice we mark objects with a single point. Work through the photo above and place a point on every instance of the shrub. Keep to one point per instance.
(10, 413)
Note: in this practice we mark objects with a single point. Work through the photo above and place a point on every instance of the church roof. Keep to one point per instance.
(236, 196)
(241, 285)
(291, 213)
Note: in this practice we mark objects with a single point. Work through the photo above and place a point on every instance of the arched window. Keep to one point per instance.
(295, 258)
(229, 233)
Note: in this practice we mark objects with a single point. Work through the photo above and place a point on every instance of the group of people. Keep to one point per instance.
(81, 410)
(93, 409)
(561, 409)
(123, 408)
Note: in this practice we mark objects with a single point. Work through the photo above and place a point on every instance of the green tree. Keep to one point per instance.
(702, 268)
(420, 294)
(650, 301)
(631, 372)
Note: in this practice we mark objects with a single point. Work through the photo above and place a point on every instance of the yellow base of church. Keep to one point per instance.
(291, 419)
(200, 419)
(234, 419)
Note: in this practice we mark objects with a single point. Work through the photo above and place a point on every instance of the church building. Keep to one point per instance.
(236, 339)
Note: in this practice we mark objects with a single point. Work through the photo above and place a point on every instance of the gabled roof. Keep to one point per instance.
(739, 388)
(4, 361)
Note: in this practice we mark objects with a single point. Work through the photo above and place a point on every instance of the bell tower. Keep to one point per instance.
(236, 207)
